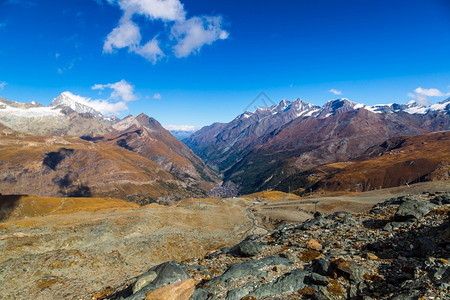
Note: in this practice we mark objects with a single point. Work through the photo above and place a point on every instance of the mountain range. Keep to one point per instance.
(63, 117)
(70, 149)
(270, 148)
(258, 150)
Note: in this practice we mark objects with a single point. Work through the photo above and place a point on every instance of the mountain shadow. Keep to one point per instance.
(52, 159)
(7, 205)
(68, 189)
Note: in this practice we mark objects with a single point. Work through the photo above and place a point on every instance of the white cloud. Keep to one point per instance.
(125, 35)
(121, 90)
(157, 96)
(421, 99)
(421, 95)
(108, 108)
(196, 32)
(121, 93)
(2, 25)
(189, 128)
(166, 10)
(336, 92)
(2, 85)
(183, 36)
(104, 106)
(150, 51)
(429, 92)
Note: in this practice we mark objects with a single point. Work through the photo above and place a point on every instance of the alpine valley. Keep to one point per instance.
(273, 147)
(291, 201)
(69, 148)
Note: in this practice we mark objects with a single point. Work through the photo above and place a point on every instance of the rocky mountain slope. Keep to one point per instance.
(68, 115)
(222, 145)
(399, 161)
(146, 137)
(69, 166)
(341, 130)
(398, 250)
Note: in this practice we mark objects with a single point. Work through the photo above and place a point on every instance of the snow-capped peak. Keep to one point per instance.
(412, 103)
(336, 106)
(441, 106)
(77, 103)
(283, 105)
(412, 107)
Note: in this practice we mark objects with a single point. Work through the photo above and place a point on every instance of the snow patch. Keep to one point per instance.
(416, 110)
(32, 112)
(440, 106)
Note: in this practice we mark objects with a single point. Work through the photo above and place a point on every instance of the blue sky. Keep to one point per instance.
(191, 62)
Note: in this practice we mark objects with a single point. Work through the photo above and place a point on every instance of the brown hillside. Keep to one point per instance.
(56, 166)
(306, 143)
(399, 161)
(146, 137)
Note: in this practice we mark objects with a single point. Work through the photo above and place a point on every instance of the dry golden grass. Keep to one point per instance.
(419, 156)
(108, 171)
(272, 195)
(92, 241)
(30, 206)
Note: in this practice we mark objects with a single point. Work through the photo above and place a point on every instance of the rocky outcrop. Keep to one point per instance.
(339, 256)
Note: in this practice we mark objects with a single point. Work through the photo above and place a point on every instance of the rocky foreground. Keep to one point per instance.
(397, 250)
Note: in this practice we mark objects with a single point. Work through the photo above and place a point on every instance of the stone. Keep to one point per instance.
(321, 266)
(143, 280)
(376, 210)
(370, 256)
(309, 224)
(239, 293)
(166, 273)
(443, 231)
(319, 279)
(392, 226)
(249, 248)
(411, 209)
(424, 247)
(354, 272)
(348, 219)
(352, 291)
(314, 245)
(290, 256)
(441, 199)
(323, 295)
(181, 290)
(284, 284)
(199, 294)
(338, 215)
(249, 268)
